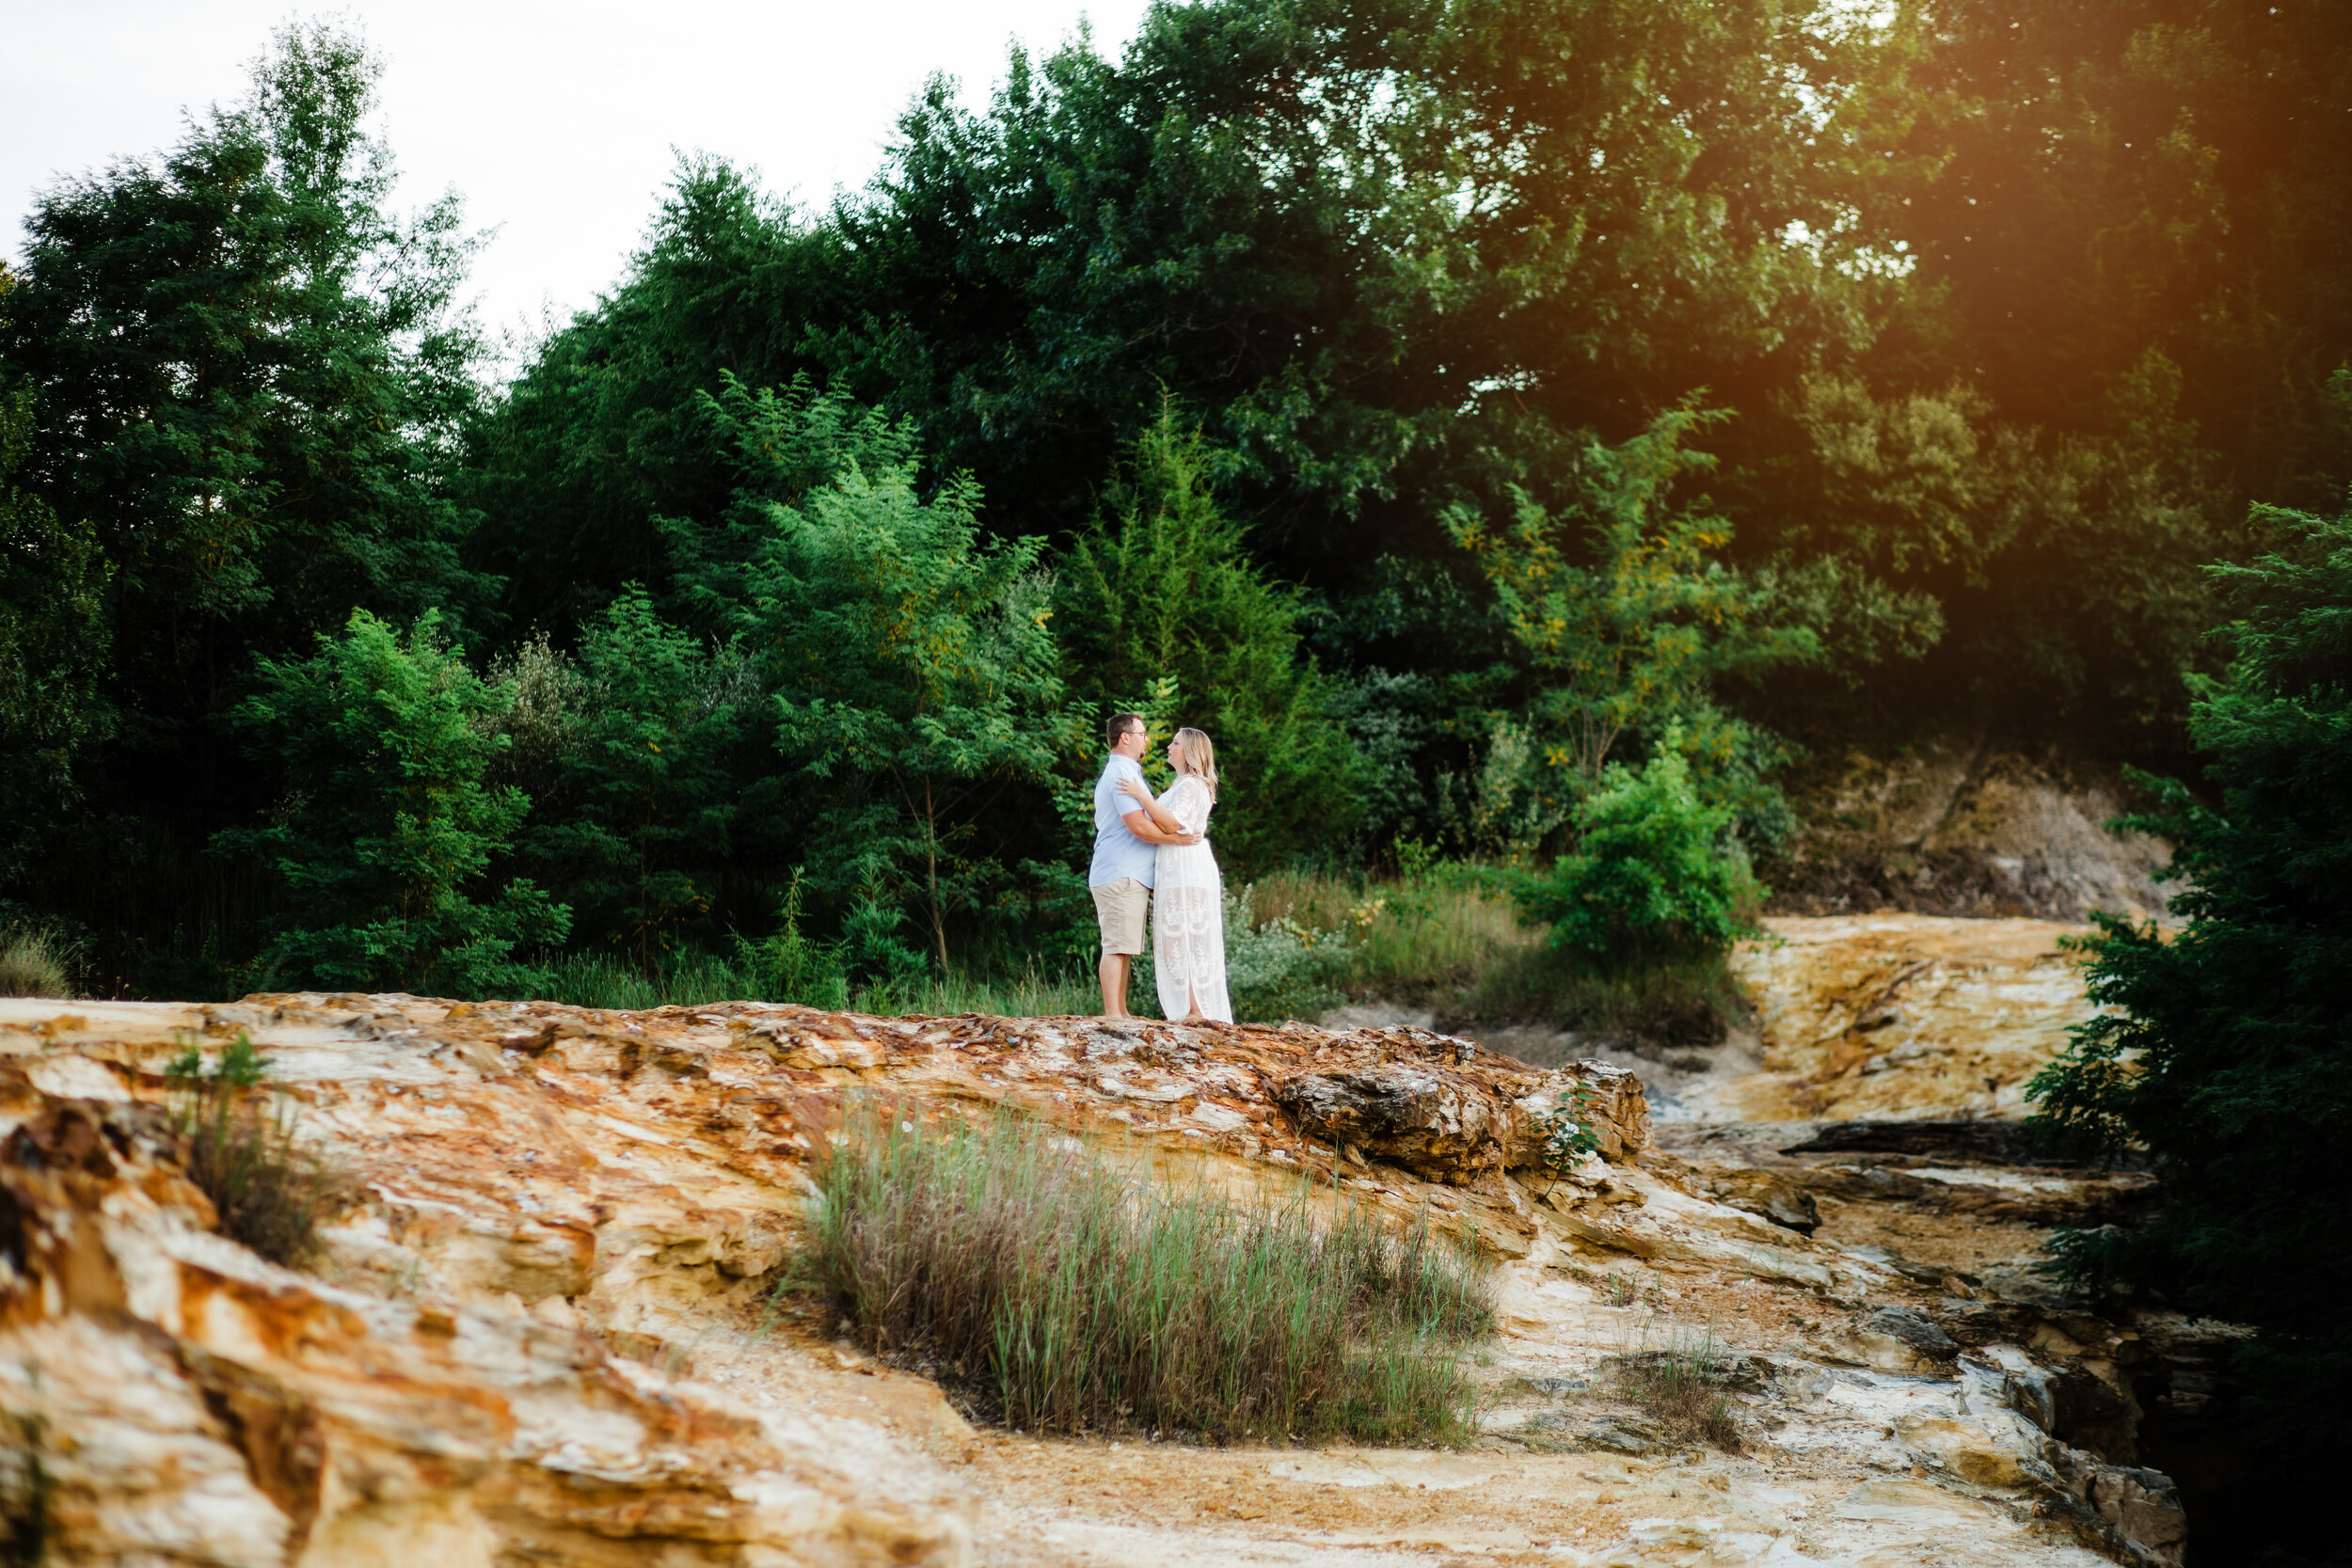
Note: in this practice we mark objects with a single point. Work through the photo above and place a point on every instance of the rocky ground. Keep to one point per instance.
(543, 1331)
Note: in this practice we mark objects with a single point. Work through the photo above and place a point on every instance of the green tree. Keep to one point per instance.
(249, 377)
(649, 794)
(2123, 186)
(52, 642)
(1380, 247)
(911, 672)
(1161, 584)
(1627, 616)
(599, 450)
(2223, 1050)
(385, 829)
(1656, 875)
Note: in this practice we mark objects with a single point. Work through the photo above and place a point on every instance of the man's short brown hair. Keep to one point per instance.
(1119, 724)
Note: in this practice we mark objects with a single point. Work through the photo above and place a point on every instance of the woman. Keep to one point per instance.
(1187, 890)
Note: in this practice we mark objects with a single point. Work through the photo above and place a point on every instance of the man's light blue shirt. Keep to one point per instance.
(1117, 852)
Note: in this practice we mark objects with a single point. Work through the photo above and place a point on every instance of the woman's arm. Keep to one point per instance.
(1162, 819)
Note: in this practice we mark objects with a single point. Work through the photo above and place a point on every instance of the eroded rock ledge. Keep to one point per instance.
(536, 1335)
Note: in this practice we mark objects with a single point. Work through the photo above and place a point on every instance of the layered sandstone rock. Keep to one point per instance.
(1898, 1015)
(541, 1332)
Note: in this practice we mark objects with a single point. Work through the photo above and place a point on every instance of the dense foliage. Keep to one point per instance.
(1656, 874)
(2227, 1052)
(387, 826)
(1441, 401)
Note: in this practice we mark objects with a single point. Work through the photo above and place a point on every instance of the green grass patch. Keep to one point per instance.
(1450, 938)
(692, 979)
(1066, 1292)
(267, 1191)
(1425, 940)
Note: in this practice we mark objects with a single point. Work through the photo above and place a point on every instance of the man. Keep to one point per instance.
(1126, 845)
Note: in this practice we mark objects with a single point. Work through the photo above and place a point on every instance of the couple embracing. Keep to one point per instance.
(1154, 855)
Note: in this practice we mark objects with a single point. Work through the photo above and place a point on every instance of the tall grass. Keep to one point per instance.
(1450, 938)
(1680, 1385)
(1412, 940)
(1444, 936)
(1070, 1295)
(32, 964)
(267, 1191)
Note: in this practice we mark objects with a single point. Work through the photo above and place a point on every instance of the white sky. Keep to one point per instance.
(556, 120)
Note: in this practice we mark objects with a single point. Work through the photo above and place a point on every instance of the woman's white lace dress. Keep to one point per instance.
(1188, 913)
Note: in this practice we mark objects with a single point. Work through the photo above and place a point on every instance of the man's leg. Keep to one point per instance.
(1113, 971)
(1119, 908)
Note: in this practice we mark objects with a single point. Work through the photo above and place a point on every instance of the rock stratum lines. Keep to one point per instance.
(540, 1330)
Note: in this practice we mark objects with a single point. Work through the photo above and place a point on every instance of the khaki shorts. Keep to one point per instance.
(1119, 908)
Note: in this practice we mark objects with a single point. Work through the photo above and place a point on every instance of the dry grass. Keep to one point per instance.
(1451, 938)
(1066, 1294)
(32, 963)
(268, 1192)
(1680, 1386)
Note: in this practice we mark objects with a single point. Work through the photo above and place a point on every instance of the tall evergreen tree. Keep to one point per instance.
(2225, 1050)
(1161, 583)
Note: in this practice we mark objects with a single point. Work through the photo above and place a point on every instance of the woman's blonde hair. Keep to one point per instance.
(1199, 758)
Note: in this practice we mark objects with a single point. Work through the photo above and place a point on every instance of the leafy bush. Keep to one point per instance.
(1656, 874)
(648, 805)
(1071, 1297)
(386, 826)
(1276, 968)
(268, 1192)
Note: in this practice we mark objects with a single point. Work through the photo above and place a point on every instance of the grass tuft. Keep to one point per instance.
(1066, 1294)
(32, 963)
(269, 1194)
(1680, 1386)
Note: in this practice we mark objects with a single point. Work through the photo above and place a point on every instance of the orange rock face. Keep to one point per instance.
(1902, 1015)
(550, 1205)
(540, 1329)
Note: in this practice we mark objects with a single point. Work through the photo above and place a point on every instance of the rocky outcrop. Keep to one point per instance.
(543, 1327)
(1897, 1016)
(1454, 1121)
(1954, 825)
(177, 1400)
